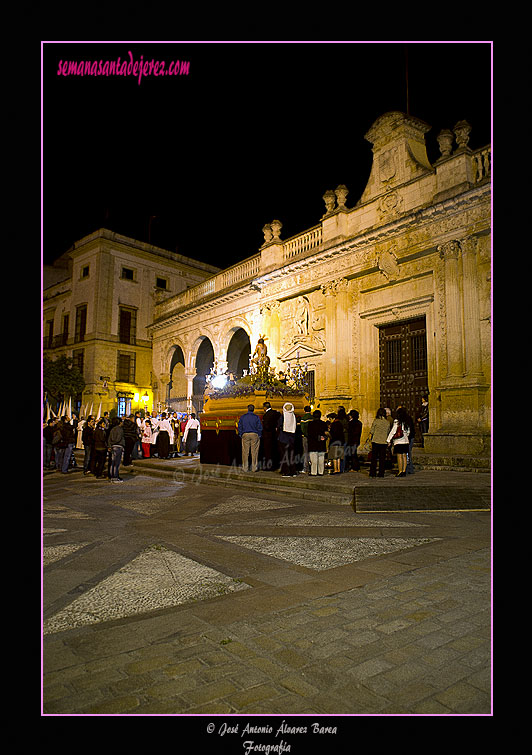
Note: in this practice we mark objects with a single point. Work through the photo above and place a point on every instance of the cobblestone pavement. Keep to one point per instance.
(166, 597)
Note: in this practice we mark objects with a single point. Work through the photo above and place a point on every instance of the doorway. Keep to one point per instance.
(403, 365)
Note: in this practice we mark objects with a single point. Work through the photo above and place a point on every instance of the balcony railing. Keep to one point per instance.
(239, 273)
(304, 242)
(55, 342)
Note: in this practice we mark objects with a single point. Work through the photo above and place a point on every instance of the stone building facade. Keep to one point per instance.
(384, 302)
(98, 301)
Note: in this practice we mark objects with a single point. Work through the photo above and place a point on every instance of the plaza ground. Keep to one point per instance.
(189, 590)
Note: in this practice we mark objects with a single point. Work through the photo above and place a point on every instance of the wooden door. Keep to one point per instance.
(403, 365)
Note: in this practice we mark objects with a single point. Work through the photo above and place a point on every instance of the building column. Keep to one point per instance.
(464, 427)
(473, 350)
(337, 341)
(163, 393)
(190, 390)
(450, 253)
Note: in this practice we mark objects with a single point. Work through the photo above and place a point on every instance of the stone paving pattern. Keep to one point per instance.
(159, 600)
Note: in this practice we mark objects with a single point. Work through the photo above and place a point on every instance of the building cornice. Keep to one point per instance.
(359, 244)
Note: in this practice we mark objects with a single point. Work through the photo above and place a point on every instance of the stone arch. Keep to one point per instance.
(177, 386)
(238, 351)
(203, 361)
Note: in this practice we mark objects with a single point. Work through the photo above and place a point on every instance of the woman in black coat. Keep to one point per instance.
(354, 432)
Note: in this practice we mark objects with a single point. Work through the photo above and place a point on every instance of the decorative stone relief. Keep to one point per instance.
(298, 325)
(390, 205)
(388, 265)
(450, 250)
(334, 287)
(388, 164)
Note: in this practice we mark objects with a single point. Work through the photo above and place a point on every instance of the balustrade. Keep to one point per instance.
(304, 242)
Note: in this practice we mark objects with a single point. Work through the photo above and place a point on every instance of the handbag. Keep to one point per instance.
(398, 432)
(366, 448)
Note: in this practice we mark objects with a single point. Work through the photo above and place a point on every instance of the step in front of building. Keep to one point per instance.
(423, 498)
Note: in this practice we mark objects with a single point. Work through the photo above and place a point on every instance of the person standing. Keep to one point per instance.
(87, 438)
(154, 433)
(270, 449)
(174, 422)
(354, 433)
(100, 449)
(47, 436)
(129, 429)
(379, 443)
(79, 432)
(317, 444)
(287, 425)
(250, 432)
(398, 437)
(424, 417)
(192, 435)
(411, 437)
(63, 449)
(116, 442)
(166, 436)
(146, 439)
(305, 421)
(341, 415)
(336, 442)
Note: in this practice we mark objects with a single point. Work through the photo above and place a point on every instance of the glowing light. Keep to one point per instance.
(219, 381)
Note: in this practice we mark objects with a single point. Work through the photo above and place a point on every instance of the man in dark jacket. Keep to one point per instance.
(116, 441)
(317, 444)
(354, 432)
(250, 431)
(270, 448)
(131, 437)
(63, 449)
(87, 438)
(48, 434)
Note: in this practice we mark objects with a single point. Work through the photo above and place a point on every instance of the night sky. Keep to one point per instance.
(255, 131)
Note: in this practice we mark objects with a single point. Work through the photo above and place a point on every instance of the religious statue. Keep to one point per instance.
(260, 358)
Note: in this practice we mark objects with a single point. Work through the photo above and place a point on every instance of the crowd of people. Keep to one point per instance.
(279, 441)
(111, 443)
(282, 441)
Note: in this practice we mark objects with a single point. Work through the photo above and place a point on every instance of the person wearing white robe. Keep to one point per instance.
(287, 433)
(192, 435)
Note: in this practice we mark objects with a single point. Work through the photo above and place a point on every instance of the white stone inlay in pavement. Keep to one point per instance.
(57, 511)
(336, 519)
(156, 578)
(53, 553)
(241, 503)
(325, 552)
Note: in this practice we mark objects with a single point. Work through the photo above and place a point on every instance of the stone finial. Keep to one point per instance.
(462, 131)
(445, 140)
(276, 226)
(267, 231)
(341, 194)
(330, 200)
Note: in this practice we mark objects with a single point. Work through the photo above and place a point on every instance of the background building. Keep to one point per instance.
(99, 299)
(385, 301)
